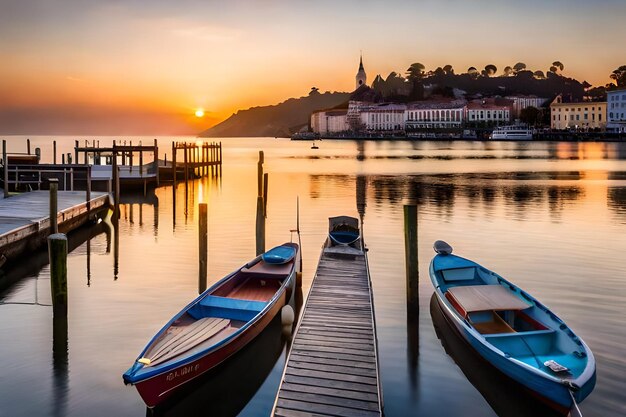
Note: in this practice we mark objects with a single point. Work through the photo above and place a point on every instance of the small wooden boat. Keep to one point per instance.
(215, 325)
(512, 330)
(343, 230)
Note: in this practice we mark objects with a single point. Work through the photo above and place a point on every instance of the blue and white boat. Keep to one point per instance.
(513, 331)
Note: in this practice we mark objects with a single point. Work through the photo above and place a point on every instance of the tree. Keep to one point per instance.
(448, 69)
(314, 91)
(415, 71)
(619, 76)
(490, 70)
(508, 71)
(520, 66)
(530, 115)
(539, 75)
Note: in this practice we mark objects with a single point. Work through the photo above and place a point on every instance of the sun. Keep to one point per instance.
(199, 112)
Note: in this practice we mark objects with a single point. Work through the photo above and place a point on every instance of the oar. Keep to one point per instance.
(574, 411)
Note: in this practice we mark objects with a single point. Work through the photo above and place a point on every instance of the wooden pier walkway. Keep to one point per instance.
(25, 218)
(332, 368)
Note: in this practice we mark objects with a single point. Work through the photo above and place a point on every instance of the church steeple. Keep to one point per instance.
(361, 77)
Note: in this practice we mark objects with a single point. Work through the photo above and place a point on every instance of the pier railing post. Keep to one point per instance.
(54, 188)
(203, 226)
(57, 252)
(156, 161)
(411, 259)
(88, 190)
(265, 181)
(5, 172)
(260, 226)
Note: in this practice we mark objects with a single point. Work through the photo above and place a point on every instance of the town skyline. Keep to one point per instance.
(138, 67)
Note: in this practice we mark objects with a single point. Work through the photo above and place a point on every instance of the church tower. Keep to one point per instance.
(361, 77)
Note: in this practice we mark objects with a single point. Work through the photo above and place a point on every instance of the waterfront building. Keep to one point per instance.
(386, 117)
(434, 114)
(488, 112)
(329, 121)
(361, 77)
(522, 102)
(616, 111)
(565, 114)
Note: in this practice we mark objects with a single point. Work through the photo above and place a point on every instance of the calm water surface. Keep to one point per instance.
(551, 217)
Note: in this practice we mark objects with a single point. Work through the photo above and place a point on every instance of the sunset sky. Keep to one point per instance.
(145, 67)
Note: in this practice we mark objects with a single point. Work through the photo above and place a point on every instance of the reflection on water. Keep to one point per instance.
(504, 395)
(550, 216)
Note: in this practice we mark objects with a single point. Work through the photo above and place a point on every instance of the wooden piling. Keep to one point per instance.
(156, 161)
(88, 189)
(411, 259)
(260, 227)
(203, 225)
(174, 163)
(265, 180)
(28, 146)
(186, 149)
(260, 174)
(54, 152)
(5, 172)
(54, 188)
(76, 146)
(57, 252)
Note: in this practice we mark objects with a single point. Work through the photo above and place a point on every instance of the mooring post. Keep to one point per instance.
(411, 260)
(5, 172)
(54, 188)
(140, 163)
(260, 226)
(88, 190)
(203, 225)
(28, 146)
(174, 163)
(265, 180)
(156, 161)
(76, 146)
(260, 174)
(54, 152)
(185, 163)
(57, 252)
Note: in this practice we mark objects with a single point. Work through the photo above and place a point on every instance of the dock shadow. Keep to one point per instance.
(506, 397)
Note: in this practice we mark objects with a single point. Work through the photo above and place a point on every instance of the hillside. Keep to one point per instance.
(279, 120)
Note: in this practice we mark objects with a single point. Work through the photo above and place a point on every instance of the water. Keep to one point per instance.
(551, 217)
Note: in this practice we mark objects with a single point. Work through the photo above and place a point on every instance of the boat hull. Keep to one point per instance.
(158, 388)
(553, 394)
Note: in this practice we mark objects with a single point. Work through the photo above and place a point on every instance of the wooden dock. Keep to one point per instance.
(25, 218)
(332, 368)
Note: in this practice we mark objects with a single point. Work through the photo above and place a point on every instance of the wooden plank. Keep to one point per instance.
(340, 393)
(329, 400)
(365, 364)
(340, 369)
(324, 409)
(332, 376)
(333, 355)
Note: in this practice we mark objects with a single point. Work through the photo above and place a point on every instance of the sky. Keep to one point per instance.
(145, 66)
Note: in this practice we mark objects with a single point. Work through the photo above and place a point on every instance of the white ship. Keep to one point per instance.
(512, 133)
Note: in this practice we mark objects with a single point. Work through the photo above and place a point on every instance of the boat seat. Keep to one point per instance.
(227, 308)
(458, 274)
(265, 270)
(521, 344)
(488, 322)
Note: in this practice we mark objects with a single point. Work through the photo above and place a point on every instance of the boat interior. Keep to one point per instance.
(221, 312)
(512, 321)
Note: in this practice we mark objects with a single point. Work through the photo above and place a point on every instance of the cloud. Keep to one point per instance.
(207, 33)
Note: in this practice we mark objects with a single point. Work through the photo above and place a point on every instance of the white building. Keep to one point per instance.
(522, 102)
(580, 115)
(486, 111)
(329, 121)
(383, 117)
(434, 115)
(616, 111)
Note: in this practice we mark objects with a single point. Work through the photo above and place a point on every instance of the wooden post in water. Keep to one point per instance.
(411, 260)
(174, 163)
(265, 180)
(156, 161)
(88, 190)
(57, 251)
(54, 152)
(260, 211)
(203, 226)
(185, 163)
(5, 172)
(54, 187)
(28, 146)
(76, 146)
